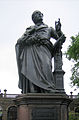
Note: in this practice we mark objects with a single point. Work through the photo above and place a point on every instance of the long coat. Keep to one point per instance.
(34, 53)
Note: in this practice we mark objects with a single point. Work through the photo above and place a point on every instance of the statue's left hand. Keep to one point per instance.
(62, 39)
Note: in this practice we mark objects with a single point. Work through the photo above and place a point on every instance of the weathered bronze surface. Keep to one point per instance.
(34, 53)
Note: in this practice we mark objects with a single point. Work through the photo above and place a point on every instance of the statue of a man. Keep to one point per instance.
(34, 53)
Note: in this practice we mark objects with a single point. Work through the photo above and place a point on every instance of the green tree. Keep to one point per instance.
(73, 54)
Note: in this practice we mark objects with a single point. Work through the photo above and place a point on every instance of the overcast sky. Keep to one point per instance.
(15, 17)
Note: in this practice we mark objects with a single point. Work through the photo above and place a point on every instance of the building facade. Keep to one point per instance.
(8, 109)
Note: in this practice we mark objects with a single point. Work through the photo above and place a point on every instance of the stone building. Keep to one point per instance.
(74, 105)
(8, 109)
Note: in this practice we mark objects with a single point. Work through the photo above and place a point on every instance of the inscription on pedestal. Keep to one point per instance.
(44, 113)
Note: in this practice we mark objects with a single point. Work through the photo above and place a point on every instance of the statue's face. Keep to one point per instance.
(37, 17)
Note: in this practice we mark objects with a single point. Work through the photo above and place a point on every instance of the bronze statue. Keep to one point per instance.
(34, 53)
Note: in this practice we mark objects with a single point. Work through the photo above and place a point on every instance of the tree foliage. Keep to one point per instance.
(73, 54)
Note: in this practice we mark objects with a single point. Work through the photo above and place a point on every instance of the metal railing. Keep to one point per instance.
(9, 95)
(15, 95)
(73, 96)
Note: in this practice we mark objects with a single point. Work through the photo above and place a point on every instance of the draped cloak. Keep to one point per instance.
(34, 57)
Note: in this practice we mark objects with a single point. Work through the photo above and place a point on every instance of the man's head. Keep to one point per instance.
(37, 17)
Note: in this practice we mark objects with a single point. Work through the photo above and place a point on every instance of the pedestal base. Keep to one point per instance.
(42, 106)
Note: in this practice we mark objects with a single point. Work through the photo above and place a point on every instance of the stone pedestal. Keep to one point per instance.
(59, 82)
(42, 106)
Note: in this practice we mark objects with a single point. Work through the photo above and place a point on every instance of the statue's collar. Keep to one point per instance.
(40, 23)
(40, 26)
(36, 27)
